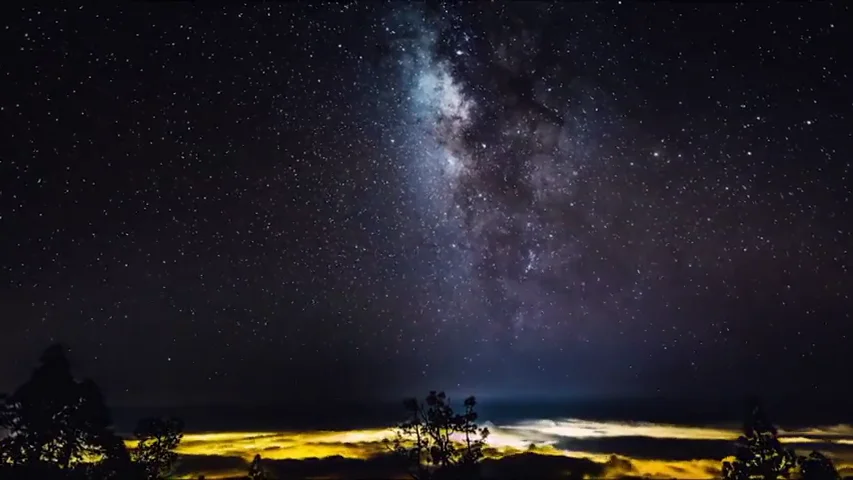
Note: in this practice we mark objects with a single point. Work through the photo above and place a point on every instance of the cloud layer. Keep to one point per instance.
(550, 447)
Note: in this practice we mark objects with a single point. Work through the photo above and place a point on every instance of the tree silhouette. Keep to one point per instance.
(54, 421)
(157, 440)
(256, 470)
(437, 442)
(759, 454)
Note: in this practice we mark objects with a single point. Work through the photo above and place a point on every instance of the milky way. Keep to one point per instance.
(530, 198)
(493, 173)
(556, 217)
(385, 198)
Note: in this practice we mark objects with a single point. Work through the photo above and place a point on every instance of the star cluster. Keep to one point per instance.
(560, 197)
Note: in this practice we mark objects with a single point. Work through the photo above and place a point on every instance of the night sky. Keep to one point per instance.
(261, 203)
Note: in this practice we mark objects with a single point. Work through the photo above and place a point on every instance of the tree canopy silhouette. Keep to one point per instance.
(55, 422)
(157, 440)
(438, 442)
(60, 428)
(760, 455)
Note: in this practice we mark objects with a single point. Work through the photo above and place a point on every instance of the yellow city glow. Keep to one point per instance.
(503, 440)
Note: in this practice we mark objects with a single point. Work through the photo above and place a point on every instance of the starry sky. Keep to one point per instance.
(214, 204)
